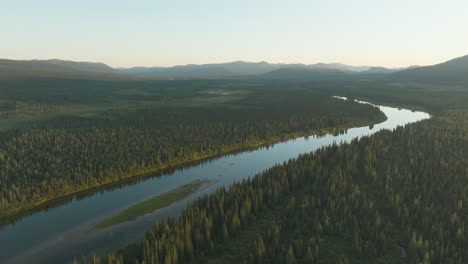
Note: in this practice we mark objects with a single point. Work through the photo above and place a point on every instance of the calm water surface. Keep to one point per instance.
(59, 234)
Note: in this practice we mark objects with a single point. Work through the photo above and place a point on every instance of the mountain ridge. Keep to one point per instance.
(236, 68)
(455, 70)
(58, 68)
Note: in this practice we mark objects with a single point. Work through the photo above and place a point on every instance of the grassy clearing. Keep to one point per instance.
(153, 204)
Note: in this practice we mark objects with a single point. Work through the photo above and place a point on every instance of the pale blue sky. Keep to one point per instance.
(163, 33)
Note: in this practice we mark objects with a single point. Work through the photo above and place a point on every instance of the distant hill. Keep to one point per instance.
(303, 73)
(93, 70)
(452, 71)
(238, 68)
(338, 66)
(81, 66)
(58, 69)
(376, 70)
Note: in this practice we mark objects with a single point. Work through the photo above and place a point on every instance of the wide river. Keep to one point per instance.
(58, 234)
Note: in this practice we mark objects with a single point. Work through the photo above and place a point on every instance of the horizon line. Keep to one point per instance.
(225, 62)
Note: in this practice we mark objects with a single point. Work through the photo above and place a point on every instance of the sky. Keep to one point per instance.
(390, 33)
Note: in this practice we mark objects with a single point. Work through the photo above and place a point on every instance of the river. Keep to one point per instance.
(60, 233)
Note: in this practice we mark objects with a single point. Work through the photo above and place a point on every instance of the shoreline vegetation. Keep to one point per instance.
(174, 164)
(152, 204)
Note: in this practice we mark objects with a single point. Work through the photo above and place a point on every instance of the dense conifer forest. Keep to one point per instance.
(395, 197)
(66, 153)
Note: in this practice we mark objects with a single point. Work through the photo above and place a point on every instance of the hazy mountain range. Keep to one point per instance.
(53, 68)
(455, 70)
(237, 68)
(58, 68)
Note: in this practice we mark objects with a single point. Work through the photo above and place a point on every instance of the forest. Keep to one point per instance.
(396, 197)
(109, 139)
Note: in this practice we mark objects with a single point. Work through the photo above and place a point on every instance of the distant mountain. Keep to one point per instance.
(81, 66)
(338, 66)
(452, 71)
(58, 69)
(412, 67)
(238, 68)
(303, 73)
(92, 70)
(377, 70)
